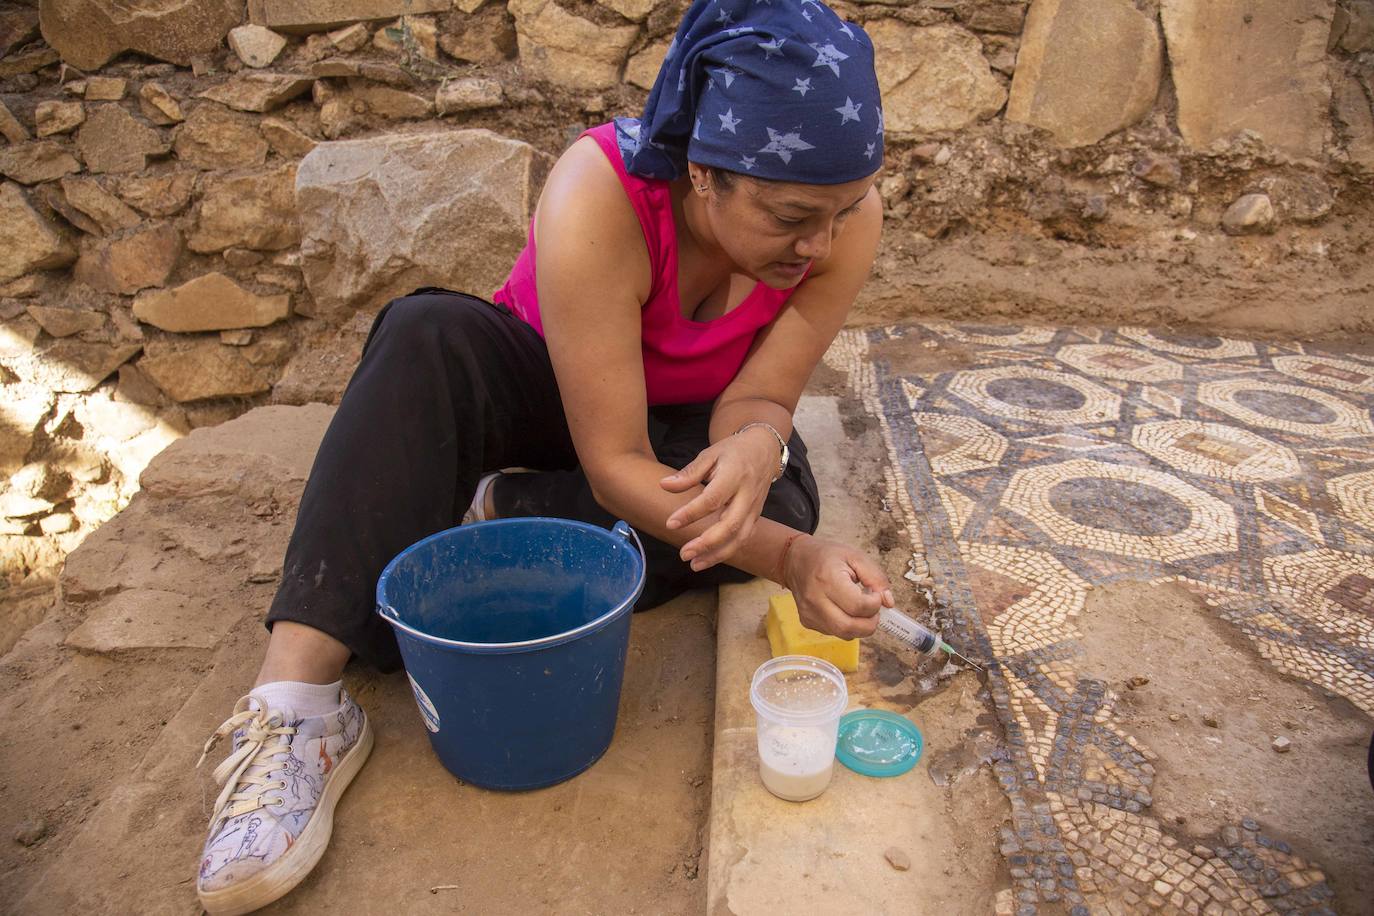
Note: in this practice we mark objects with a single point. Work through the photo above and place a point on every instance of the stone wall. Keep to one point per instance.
(204, 202)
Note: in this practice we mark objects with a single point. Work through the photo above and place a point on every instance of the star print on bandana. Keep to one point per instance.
(784, 145)
(849, 111)
(725, 75)
(733, 67)
(827, 55)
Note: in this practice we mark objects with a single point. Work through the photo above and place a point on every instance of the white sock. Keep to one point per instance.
(302, 699)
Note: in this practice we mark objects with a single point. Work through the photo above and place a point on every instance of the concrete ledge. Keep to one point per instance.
(769, 856)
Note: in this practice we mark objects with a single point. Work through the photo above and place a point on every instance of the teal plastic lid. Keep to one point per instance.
(875, 742)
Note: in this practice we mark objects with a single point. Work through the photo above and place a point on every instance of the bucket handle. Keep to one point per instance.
(623, 529)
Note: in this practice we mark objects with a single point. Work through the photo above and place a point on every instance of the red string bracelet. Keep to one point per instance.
(782, 560)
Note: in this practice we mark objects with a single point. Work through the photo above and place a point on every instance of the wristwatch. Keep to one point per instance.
(784, 453)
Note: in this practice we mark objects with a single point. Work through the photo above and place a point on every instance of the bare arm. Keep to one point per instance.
(594, 275)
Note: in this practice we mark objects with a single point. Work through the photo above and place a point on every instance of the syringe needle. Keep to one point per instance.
(952, 651)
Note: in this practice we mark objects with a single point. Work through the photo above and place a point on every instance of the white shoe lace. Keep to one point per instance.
(243, 791)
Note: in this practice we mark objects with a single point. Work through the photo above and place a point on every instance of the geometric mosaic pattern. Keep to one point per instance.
(1060, 459)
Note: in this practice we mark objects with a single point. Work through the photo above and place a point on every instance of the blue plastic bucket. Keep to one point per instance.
(513, 633)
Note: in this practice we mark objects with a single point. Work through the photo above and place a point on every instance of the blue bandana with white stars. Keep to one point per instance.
(778, 89)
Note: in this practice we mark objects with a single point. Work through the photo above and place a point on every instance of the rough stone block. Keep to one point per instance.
(470, 94)
(64, 322)
(108, 212)
(28, 240)
(302, 16)
(211, 302)
(557, 46)
(259, 91)
(933, 79)
(256, 46)
(133, 262)
(643, 67)
(105, 88)
(193, 371)
(111, 140)
(216, 138)
(371, 233)
(157, 195)
(248, 211)
(36, 161)
(1213, 46)
(53, 117)
(487, 37)
(158, 105)
(89, 33)
(1086, 69)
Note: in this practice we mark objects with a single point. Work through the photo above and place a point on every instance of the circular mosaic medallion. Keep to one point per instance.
(1027, 393)
(1355, 493)
(1130, 511)
(1283, 405)
(1126, 363)
(1329, 372)
(1036, 394)
(1215, 450)
(1306, 411)
(1006, 335)
(1124, 506)
(1203, 346)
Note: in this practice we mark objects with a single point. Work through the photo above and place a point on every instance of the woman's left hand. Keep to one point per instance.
(736, 472)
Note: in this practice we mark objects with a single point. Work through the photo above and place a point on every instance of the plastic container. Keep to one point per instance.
(797, 701)
(514, 634)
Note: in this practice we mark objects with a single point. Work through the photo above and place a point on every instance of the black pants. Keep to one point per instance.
(448, 388)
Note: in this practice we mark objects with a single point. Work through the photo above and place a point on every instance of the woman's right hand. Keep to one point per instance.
(838, 590)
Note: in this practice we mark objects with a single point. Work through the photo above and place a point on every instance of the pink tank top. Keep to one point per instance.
(685, 361)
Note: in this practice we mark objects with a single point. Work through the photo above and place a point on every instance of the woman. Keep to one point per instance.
(692, 267)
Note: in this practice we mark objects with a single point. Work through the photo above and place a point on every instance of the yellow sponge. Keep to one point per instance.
(787, 636)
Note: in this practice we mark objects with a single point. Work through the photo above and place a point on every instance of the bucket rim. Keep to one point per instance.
(621, 528)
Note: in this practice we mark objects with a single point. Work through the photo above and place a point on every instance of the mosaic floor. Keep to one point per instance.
(1063, 459)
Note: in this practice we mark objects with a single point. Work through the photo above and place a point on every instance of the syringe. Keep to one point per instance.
(895, 623)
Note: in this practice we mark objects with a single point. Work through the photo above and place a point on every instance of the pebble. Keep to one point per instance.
(897, 858)
(1174, 717)
(1249, 215)
(1137, 681)
(1282, 744)
(31, 832)
(1211, 721)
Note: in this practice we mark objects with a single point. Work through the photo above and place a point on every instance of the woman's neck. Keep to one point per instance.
(696, 242)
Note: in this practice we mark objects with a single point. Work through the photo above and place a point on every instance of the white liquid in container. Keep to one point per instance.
(796, 762)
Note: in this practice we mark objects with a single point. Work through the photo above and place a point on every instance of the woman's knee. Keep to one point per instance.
(410, 321)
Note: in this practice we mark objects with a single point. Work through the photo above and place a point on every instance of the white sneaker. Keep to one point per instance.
(275, 814)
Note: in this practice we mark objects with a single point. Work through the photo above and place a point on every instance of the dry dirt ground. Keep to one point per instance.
(104, 812)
